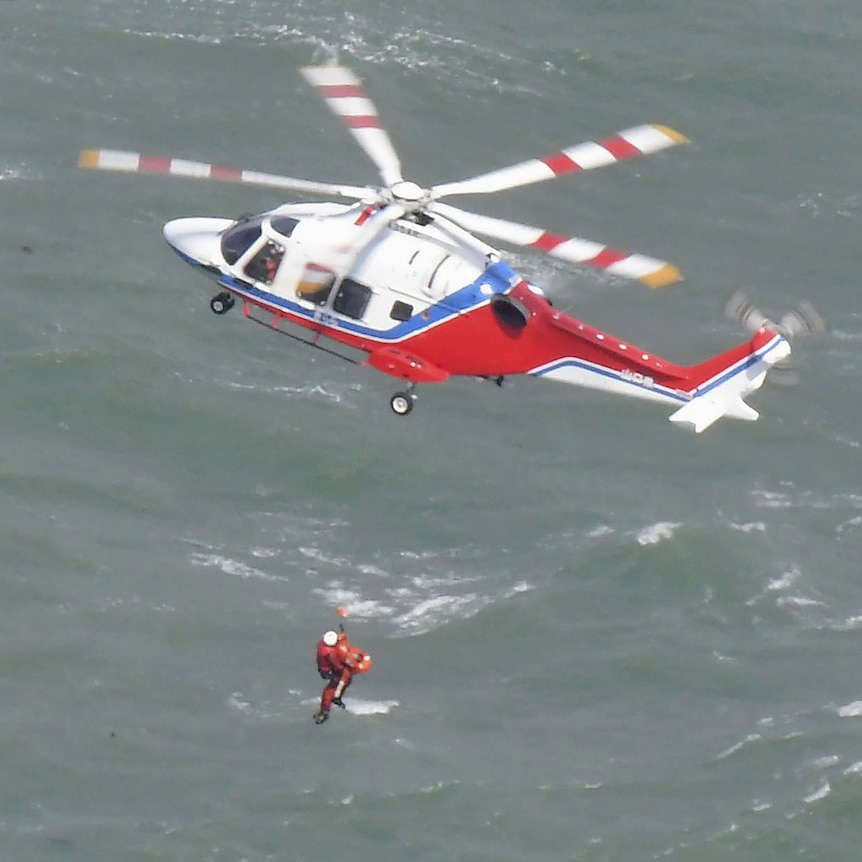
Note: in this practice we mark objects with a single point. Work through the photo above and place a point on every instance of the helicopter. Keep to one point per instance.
(400, 281)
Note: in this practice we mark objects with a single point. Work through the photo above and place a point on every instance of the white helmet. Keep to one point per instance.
(330, 638)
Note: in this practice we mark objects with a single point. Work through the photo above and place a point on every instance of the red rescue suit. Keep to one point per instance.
(338, 664)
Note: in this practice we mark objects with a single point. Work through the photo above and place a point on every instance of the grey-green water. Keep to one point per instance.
(595, 637)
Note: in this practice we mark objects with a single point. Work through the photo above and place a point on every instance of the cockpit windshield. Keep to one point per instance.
(241, 235)
(237, 239)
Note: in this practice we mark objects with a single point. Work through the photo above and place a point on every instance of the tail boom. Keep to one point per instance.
(702, 393)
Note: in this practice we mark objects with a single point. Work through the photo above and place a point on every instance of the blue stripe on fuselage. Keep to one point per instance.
(497, 278)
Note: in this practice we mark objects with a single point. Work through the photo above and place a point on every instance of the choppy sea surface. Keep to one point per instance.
(595, 637)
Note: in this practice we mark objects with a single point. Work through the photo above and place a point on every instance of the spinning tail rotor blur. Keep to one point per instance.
(804, 319)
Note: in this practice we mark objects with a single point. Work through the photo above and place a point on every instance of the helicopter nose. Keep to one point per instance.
(197, 240)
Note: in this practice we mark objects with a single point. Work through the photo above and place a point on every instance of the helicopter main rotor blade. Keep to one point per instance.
(638, 141)
(116, 160)
(648, 270)
(346, 97)
(347, 241)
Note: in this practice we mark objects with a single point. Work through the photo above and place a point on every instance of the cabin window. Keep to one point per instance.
(352, 298)
(264, 265)
(239, 237)
(401, 311)
(315, 284)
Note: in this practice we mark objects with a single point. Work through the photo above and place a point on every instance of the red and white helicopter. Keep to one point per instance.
(397, 279)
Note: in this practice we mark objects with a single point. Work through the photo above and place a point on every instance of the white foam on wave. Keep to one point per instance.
(320, 557)
(353, 603)
(800, 602)
(232, 567)
(360, 706)
(820, 793)
(7, 172)
(850, 623)
(772, 499)
(850, 710)
(656, 533)
(852, 522)
(826, 761)
(197, 38)
(781, 587)
(854, 768)
(754, 527)
(752, 737)
(430, 613)
(821, 205)
(239, 703)
(784, 581)
(316, 391)
(766, 499)
(416, 603)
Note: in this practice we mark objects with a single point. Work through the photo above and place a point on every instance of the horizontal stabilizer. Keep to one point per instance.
(703, 410)
(723, 393)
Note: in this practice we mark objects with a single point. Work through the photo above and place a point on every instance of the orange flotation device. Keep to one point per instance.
(353, 657)
(360, 660)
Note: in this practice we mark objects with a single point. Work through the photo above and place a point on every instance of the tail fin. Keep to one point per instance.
(719, 385)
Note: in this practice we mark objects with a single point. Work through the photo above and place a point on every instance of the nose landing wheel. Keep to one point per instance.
(402, 402)
(222, 303)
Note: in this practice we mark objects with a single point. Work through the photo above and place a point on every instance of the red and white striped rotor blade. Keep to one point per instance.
(638, 141)
(116, 160)
(346, 97)
(648, 270)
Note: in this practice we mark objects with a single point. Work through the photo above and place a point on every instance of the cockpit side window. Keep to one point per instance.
(284, 224)
(264, 265)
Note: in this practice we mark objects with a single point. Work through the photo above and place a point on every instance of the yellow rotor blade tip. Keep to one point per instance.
(668, 274)
(88, 159)
(673, 134)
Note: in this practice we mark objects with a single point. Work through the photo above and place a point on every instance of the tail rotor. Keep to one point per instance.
(804, 319)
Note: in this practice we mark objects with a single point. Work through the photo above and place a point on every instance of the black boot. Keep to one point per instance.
(320, 716)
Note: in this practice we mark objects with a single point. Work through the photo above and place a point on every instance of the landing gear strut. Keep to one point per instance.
(402, 402)
(222, 303)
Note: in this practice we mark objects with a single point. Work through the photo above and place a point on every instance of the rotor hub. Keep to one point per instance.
(407, 191)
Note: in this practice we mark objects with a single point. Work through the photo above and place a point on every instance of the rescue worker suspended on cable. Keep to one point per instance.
(337, 662)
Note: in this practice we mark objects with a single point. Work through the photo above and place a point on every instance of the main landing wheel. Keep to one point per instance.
(401, 403)
(222, 303)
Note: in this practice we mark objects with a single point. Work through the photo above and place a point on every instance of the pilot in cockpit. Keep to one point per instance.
(272, 262)
(264, 265)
